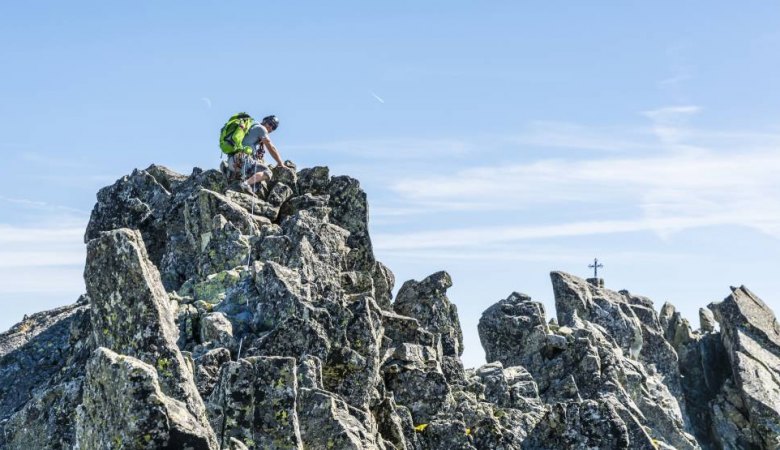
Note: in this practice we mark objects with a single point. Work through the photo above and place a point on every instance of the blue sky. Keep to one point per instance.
(496, 140)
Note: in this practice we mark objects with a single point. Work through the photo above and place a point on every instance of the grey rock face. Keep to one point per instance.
(279, 194)
(328, 422)
(41, 369)
(513, 387)
(707, 321)
(138, 201)
(350, 211)
(513, 331)
(255, 403)
(125, 407)
(597, 351)
(427, 302)
(50, 344)
(46, 420)
(414, 375)
(590, 424)
(751, 336)
(575, 298)
(131, 313)
(207, 369)
(224, 320)
(314, 180)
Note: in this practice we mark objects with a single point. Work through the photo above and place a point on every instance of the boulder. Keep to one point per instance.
(132, 315)
(751, 337)
(314, 180)
(575, 298)
(328, 423)
(255, 402)
(44, 349)
(427, 302)
(350, 211)
(413, 374)
(125, 406)
(513, 331)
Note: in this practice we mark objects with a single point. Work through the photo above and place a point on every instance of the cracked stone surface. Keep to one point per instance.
(215, 319)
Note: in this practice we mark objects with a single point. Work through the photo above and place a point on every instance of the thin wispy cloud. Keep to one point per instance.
(675, 80)
(697, 183)
(528, 253)
(687, 178)
(669, 123)
(475, 237)
(397, 149)
(51, 160)
(41, 261)
(378, 98)
(40, 205)
(65, 282)
(16, 235)
(546, 134)
(42, 258)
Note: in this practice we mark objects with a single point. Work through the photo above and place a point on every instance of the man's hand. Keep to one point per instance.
(274, 152)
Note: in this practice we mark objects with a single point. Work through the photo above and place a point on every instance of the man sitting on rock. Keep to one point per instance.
(245, 164)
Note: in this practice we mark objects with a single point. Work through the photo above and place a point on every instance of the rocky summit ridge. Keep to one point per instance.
(214, 319)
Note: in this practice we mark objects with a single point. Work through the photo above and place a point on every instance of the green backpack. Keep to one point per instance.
(232, 134)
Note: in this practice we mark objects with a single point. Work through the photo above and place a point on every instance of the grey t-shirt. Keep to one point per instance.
(254, 139)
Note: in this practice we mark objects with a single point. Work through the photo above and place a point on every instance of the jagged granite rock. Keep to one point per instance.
(751, 336)
(132, 315)
(47, 342)
(590, 424)
(125, 407)
(232, 321)
(138, 201)
(314, 180)
(575, 298)
(279, 194)
(328, 423)
(207, 368)
(427, 302)
(42, 363)
(704, 368)
(46, 420)
(513, 331)
(350, 211)
(707, 322)
(255, 403)
(215, 327)
(413, 373)
(581, 360)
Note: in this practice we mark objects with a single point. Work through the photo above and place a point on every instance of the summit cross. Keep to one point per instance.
(596, 266)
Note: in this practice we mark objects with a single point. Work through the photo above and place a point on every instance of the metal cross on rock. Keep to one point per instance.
(596, 266)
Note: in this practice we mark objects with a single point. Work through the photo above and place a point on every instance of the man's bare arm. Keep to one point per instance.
(273, 151)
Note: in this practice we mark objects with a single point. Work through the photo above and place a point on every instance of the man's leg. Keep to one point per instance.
(259, 177)
(260, 173)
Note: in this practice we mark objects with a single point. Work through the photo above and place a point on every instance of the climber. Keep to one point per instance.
(245, 162)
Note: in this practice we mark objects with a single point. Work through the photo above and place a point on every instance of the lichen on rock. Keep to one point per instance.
(216, 319)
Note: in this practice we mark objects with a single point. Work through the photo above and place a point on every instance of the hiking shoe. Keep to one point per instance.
(246, 188)
(240, 186)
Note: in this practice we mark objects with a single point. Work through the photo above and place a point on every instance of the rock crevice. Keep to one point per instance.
(214, 319)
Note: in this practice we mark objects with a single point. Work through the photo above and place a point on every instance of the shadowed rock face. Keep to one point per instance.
(131, 314)
(215, 319)
(124, 404)
(751, 336)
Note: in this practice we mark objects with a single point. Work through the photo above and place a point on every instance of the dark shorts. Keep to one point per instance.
(244, 166)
